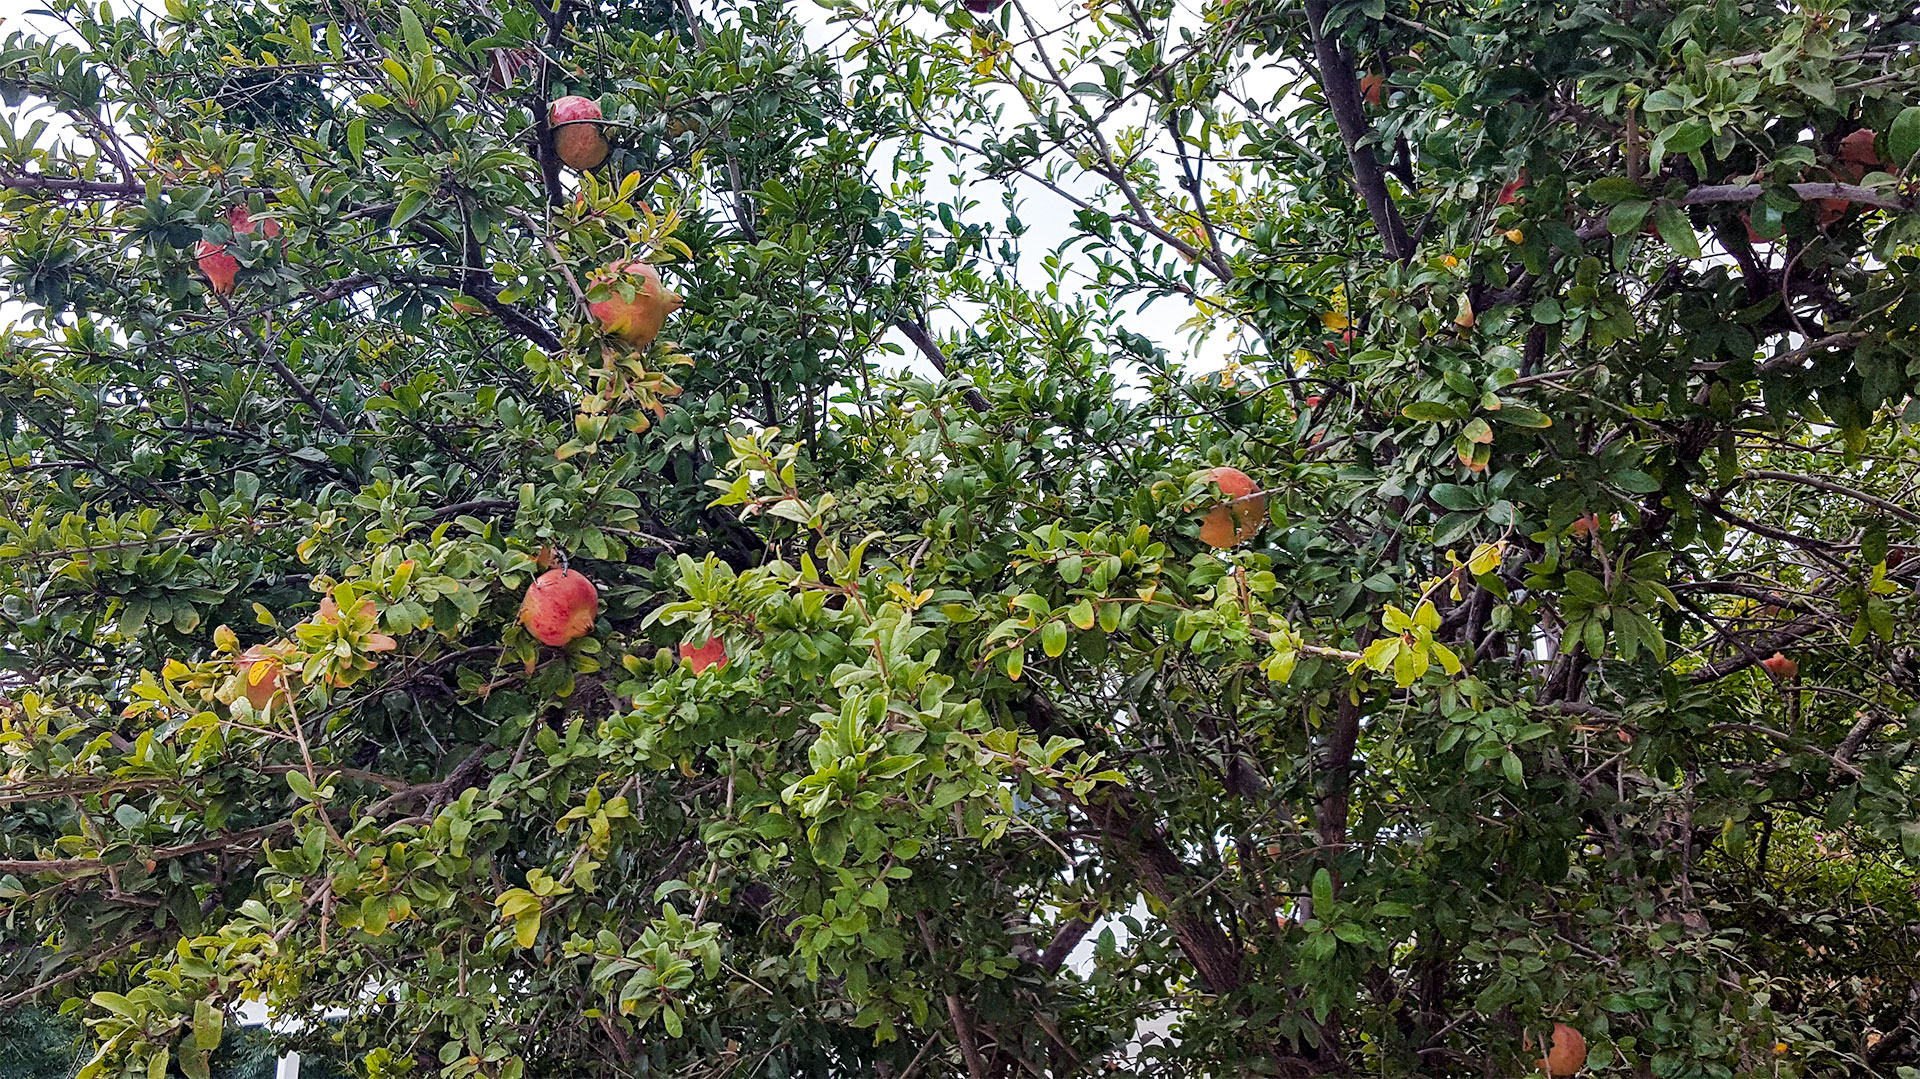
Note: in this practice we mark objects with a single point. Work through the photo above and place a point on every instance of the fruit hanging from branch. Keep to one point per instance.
(711, 654)
(1781, 667)
(560, 606)
(577, 140)
(1857, 157)
(638, 320)
(1566, 1053)
(221, 267)
(1238, 520)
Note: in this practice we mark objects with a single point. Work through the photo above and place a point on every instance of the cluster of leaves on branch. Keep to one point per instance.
(1558, 679)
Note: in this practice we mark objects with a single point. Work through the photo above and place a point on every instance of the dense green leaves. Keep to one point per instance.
(923, 725)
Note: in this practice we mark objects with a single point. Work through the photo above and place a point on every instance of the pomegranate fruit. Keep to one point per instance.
(576, 136)
(1781, 667)
(637, 321)
(221, 267)
(560, 607)
(1857, 157)
(1566, 1054)
(1236, 521)
(713, 653)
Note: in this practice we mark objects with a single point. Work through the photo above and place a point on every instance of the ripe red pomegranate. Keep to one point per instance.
(221, 267)
(1782, 668)
(1857, 157)
(576, 135)
(638, 320)
(560, 607)
(711, 654)
(1235, 522)
(1566, 1054)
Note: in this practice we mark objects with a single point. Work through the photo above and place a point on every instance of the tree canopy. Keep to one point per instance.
(948, 703)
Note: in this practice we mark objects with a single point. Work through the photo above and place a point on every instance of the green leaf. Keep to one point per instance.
(526, 927)
(409, 205)
(1684, 137)
(1612, 189)
(1676, 230)
(414, 33)
(1873, 542)
(1430, 412)
(1635, 481)
(1625, 219)
(1082, 614)
(1523, 417)
(1322, 893)
(1053, 638)
(301, 788)
(1903, 137)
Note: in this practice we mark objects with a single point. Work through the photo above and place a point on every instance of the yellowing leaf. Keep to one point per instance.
(1465, 318)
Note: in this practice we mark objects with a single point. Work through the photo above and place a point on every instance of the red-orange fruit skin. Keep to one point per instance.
(711, 654)
(580, 146)
(1231, 523)
(1566, 1055)
(560, 607)
(214, 261)
(639, 320)
(576, 139)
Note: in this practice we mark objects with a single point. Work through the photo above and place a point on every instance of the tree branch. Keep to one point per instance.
(79, 188)
(1065, 940)
(1723, 193)
(230, 842)
(1335, 72)
(1817, 483)
(922, 337)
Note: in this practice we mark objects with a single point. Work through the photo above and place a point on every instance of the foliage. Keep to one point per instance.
(1573, 345)
(37, 1044)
